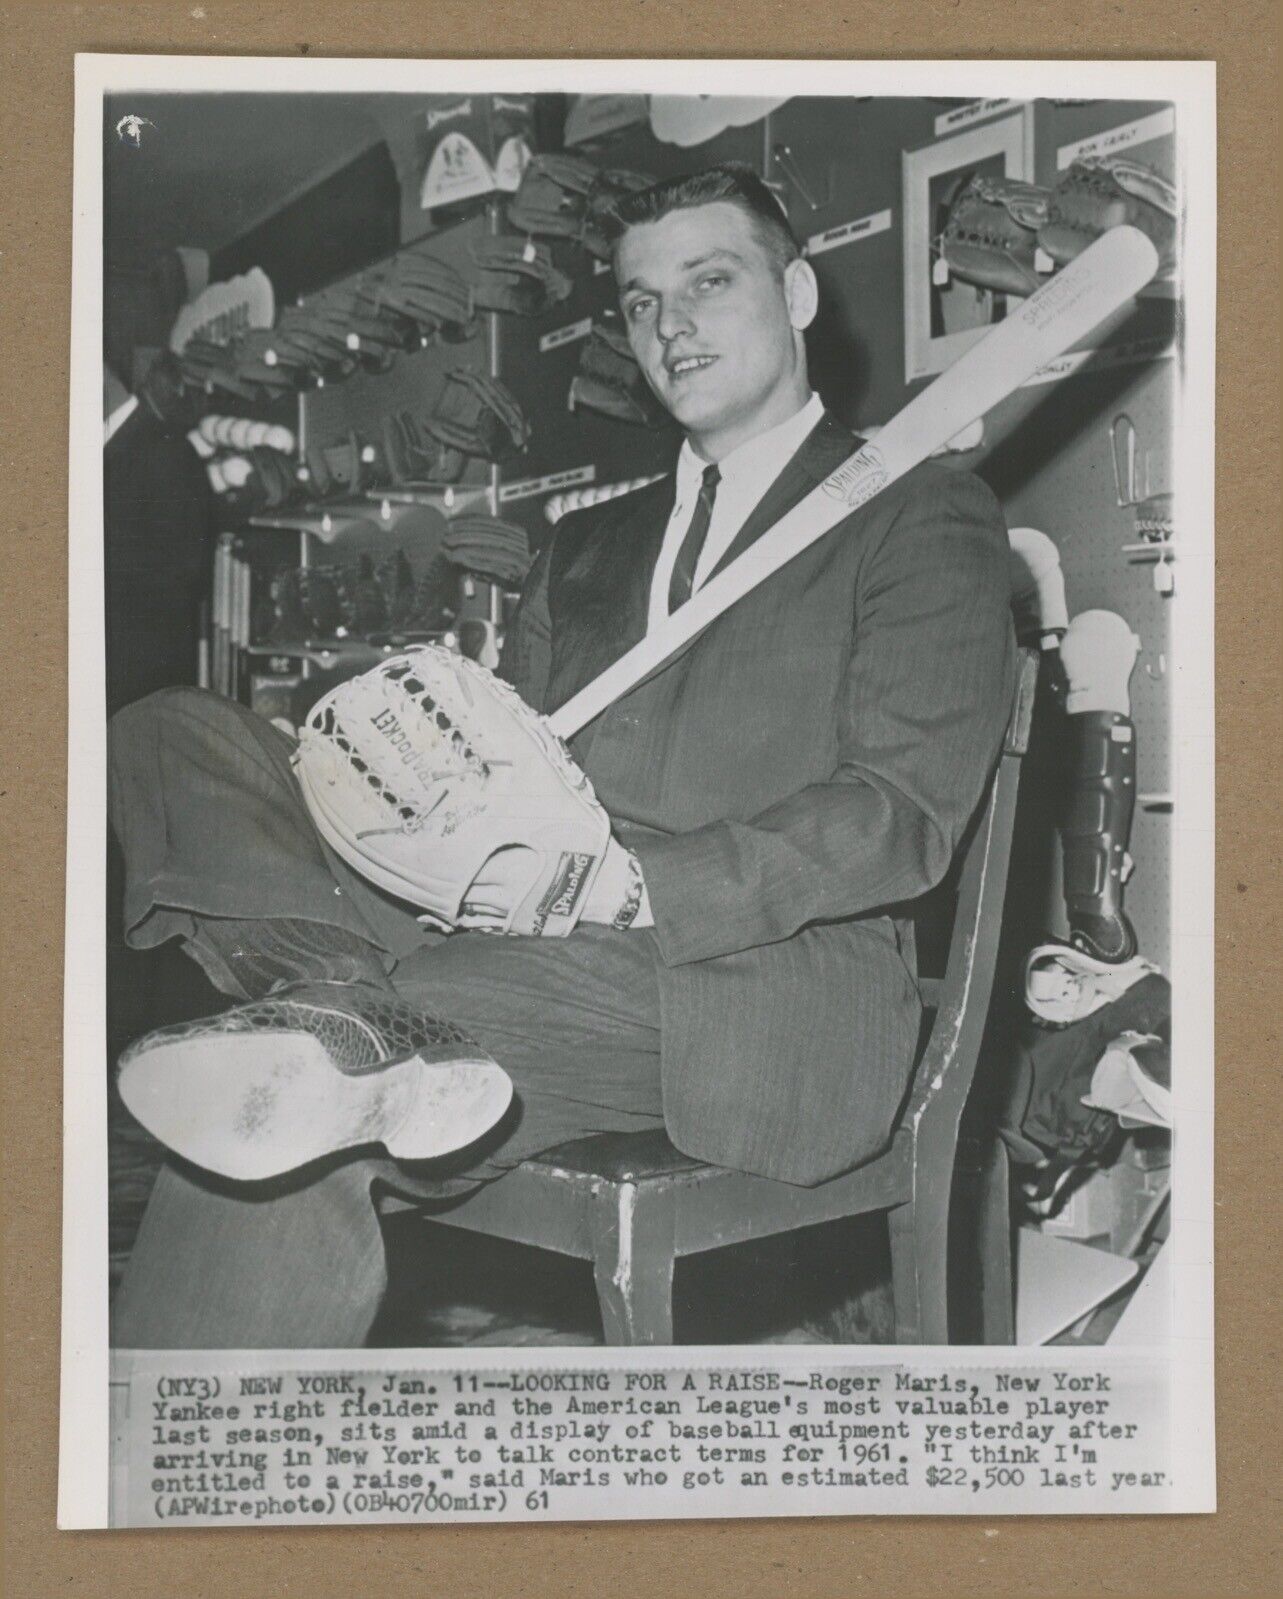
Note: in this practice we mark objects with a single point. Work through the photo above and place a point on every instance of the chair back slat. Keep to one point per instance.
(944, 1075)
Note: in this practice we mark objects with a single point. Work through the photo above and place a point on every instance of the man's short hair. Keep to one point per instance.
(732, 181)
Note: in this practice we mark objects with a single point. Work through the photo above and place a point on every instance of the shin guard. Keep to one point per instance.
(1101, 797)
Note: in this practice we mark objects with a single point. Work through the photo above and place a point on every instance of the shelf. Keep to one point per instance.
(364, 521)
(324, 522)
(328, 652)
(449, 498)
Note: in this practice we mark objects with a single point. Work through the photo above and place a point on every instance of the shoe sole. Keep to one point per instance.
(250, 1106)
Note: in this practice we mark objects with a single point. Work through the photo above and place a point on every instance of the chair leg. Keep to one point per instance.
(919, 1261)
(632, 1237)
(981, 1228)
(997, 1299)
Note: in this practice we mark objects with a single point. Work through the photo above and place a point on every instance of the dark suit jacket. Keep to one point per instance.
(805, 765)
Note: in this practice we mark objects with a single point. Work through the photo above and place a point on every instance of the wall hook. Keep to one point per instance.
(783, 158)
(1123, 448)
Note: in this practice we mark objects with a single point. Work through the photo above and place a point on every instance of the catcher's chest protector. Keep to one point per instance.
(419, 771)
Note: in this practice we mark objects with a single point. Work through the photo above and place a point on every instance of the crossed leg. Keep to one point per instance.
(299, 1262)
(216, 837)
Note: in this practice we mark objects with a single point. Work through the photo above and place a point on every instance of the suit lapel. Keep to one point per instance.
(826, 446)
(600, 583)
(599, 587)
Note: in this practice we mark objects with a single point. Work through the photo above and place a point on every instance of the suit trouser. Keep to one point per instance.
(211, 824)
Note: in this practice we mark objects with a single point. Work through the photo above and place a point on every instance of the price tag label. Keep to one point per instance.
(848, 232)
(1121, 138)
(974, 111)
(566, 335)
(526, 488)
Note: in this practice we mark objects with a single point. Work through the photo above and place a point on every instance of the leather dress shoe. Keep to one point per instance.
(313, 1068)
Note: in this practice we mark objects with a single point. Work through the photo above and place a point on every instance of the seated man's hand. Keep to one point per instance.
(618, 897)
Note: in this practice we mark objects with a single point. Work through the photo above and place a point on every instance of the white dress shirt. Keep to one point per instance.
(746, 474)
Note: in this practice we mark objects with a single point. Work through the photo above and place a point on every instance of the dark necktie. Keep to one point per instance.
(683, 578)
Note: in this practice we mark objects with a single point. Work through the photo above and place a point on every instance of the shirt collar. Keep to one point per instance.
(759, 458)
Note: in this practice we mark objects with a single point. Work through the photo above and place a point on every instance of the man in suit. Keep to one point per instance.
(786, 784)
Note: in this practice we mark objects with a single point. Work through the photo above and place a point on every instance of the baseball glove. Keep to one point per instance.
(265, 363)
(610, 381)
(419, 772)
(488, 546)
(210, 366)
(414, 456)
(991, 236)
(566, 197)
(478, 416)
(304, 340)
(429, 293)
(337, 471)
(518, 277)
(1094, 196)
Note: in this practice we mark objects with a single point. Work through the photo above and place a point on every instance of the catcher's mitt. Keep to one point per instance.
(419, 772)
(488, 546)
(1093, 196)
(566, 197)
(478, 416)
(991, 237)
(610, 381)
(517, 277)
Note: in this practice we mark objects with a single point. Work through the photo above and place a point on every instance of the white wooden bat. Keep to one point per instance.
(1053, 319)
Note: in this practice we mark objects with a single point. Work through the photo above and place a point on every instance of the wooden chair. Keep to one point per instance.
(632, 1204)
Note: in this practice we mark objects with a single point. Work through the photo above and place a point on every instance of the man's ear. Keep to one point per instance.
(801, 293)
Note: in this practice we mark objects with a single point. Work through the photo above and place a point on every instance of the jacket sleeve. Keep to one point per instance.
(918, 727)
(526, 661)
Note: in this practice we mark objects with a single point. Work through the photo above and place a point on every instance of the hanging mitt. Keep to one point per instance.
(479, 416)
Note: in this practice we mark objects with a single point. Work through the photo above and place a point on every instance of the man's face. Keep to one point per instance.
(712, 325)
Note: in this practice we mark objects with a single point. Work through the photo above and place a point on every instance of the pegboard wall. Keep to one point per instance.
(838, 167)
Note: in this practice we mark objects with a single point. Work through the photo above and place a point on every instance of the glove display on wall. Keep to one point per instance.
(565, 197)
(488, 546)
(1094, 195)
(517, 277)
(479, 416)
(610, 381)
(414, 455)
(991, 236)
(425, 290)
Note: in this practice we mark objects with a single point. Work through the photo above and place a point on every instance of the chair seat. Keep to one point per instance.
(617, 1158)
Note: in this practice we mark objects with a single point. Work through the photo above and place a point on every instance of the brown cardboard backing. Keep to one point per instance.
(1232, 1553)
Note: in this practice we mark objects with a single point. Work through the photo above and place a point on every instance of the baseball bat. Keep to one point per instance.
(1053, 319)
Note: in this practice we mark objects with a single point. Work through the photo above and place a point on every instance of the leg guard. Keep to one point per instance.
(1095, 832)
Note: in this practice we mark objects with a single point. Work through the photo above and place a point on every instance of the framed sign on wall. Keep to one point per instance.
(943, 316)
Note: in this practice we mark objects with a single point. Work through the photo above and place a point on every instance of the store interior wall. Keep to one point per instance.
(311, 187)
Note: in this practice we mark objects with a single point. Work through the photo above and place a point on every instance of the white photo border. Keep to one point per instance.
(1191, 87)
